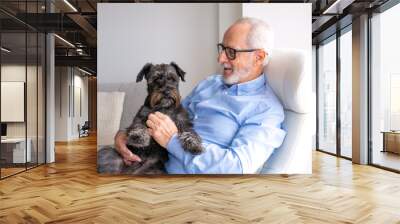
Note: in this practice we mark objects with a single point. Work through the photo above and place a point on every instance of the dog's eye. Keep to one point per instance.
(170, 79)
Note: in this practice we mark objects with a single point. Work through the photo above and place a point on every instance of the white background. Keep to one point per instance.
(130, 35)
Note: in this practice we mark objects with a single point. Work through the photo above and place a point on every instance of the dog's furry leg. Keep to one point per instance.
(188, 138)
(138, 136)
(109, 161)
(191, 141)
(137, 132)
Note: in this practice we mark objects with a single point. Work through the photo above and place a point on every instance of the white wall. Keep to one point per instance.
(290, 22)
(80, 83)
(130, 35)
(61, 103)
(66, 121)
(15, 72)
(228, 13)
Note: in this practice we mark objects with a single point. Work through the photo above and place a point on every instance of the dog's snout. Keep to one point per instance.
(160, 81)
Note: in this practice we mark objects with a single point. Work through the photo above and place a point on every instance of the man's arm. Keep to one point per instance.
(251, 147)
(120, 141)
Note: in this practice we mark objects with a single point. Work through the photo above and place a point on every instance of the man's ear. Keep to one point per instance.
(261, 56)
(143, 72)
(179, 71)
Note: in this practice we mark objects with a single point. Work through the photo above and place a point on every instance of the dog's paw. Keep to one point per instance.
(139, 138)
(191, 142)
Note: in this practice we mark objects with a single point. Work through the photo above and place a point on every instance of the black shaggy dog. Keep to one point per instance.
(163, 96)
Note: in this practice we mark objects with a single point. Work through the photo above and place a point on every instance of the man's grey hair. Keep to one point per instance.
(261, 36)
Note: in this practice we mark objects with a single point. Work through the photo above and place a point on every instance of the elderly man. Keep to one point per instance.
(236, 114)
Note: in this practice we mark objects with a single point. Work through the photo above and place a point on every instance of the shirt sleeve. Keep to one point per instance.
(252, 145)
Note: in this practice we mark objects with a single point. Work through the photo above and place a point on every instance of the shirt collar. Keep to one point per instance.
(246, 87)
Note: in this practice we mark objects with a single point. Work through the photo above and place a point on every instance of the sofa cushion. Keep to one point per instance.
(109, 111)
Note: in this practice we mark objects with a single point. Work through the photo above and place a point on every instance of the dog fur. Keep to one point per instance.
(163, 96)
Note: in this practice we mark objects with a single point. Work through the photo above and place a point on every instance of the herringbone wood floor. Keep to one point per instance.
(70, 191)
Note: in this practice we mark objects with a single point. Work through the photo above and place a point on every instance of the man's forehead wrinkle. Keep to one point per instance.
(237, 34)
(236, 42)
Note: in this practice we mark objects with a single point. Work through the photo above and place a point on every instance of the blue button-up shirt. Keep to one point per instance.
(240, 126)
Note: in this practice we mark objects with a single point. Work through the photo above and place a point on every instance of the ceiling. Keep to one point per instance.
(76, 22)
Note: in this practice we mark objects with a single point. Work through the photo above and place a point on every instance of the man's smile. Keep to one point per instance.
(227, 70)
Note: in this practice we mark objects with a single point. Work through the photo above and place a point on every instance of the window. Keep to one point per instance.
(346, 93)
(327, 97)
(385, 89)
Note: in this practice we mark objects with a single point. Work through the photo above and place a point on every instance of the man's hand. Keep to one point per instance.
(161, 128)
(120, 144)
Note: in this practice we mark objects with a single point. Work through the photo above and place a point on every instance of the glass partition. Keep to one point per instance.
(14, 153)
(22, 78)
(327, 96)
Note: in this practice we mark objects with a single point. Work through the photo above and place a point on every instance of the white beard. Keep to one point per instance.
(234, 78)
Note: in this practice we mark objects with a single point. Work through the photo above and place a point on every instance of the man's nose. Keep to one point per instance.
(222, 57)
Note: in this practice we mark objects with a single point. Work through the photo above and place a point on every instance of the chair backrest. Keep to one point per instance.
(289, 75)
(86, 125)
(109, 111)
(134, 95)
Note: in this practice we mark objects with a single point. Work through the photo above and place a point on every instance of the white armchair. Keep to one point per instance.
(289, 75)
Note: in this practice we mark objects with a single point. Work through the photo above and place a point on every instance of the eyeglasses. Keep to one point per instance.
(231, 52)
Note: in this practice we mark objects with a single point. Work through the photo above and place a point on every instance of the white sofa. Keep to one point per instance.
(289, 78)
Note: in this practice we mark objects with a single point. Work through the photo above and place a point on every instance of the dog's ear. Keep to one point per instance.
(143, 72)
(179, 71)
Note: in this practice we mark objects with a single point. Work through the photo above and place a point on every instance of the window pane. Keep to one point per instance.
(14, 149)
(346, 94)
(386, 89)
(327, 97)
